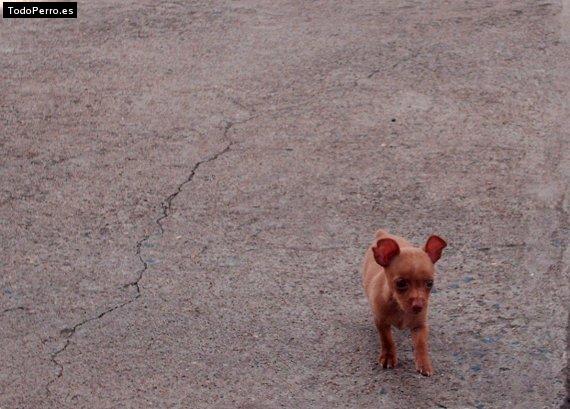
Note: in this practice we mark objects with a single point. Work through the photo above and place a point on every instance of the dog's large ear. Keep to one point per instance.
(434, 246)
(385, 251)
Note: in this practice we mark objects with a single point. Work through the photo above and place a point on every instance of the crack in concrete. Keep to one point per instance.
(14, 309)
(59, 366)
(166, 206)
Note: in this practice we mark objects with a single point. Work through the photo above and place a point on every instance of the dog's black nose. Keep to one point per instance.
(417, 309)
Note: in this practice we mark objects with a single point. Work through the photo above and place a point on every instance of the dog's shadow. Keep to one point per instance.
(402, 382)
(371, 345)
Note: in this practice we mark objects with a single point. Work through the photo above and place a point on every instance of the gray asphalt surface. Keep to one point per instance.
(188, 188)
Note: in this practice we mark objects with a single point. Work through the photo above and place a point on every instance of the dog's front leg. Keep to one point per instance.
(387, 357)
(421, 353)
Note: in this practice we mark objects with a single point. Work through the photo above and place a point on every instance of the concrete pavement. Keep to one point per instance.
(187, 190)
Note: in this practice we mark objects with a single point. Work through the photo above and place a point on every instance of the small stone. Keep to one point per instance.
(66, 332)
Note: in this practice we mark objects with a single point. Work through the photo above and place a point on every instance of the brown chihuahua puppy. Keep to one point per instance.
(397, 279)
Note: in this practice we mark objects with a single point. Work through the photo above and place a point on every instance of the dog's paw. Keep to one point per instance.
(423, 366)
(388, 359)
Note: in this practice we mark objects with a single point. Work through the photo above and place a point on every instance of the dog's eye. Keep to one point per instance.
(401, 285)
(429, 284)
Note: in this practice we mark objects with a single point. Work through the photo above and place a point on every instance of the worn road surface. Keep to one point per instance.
(187, 190)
